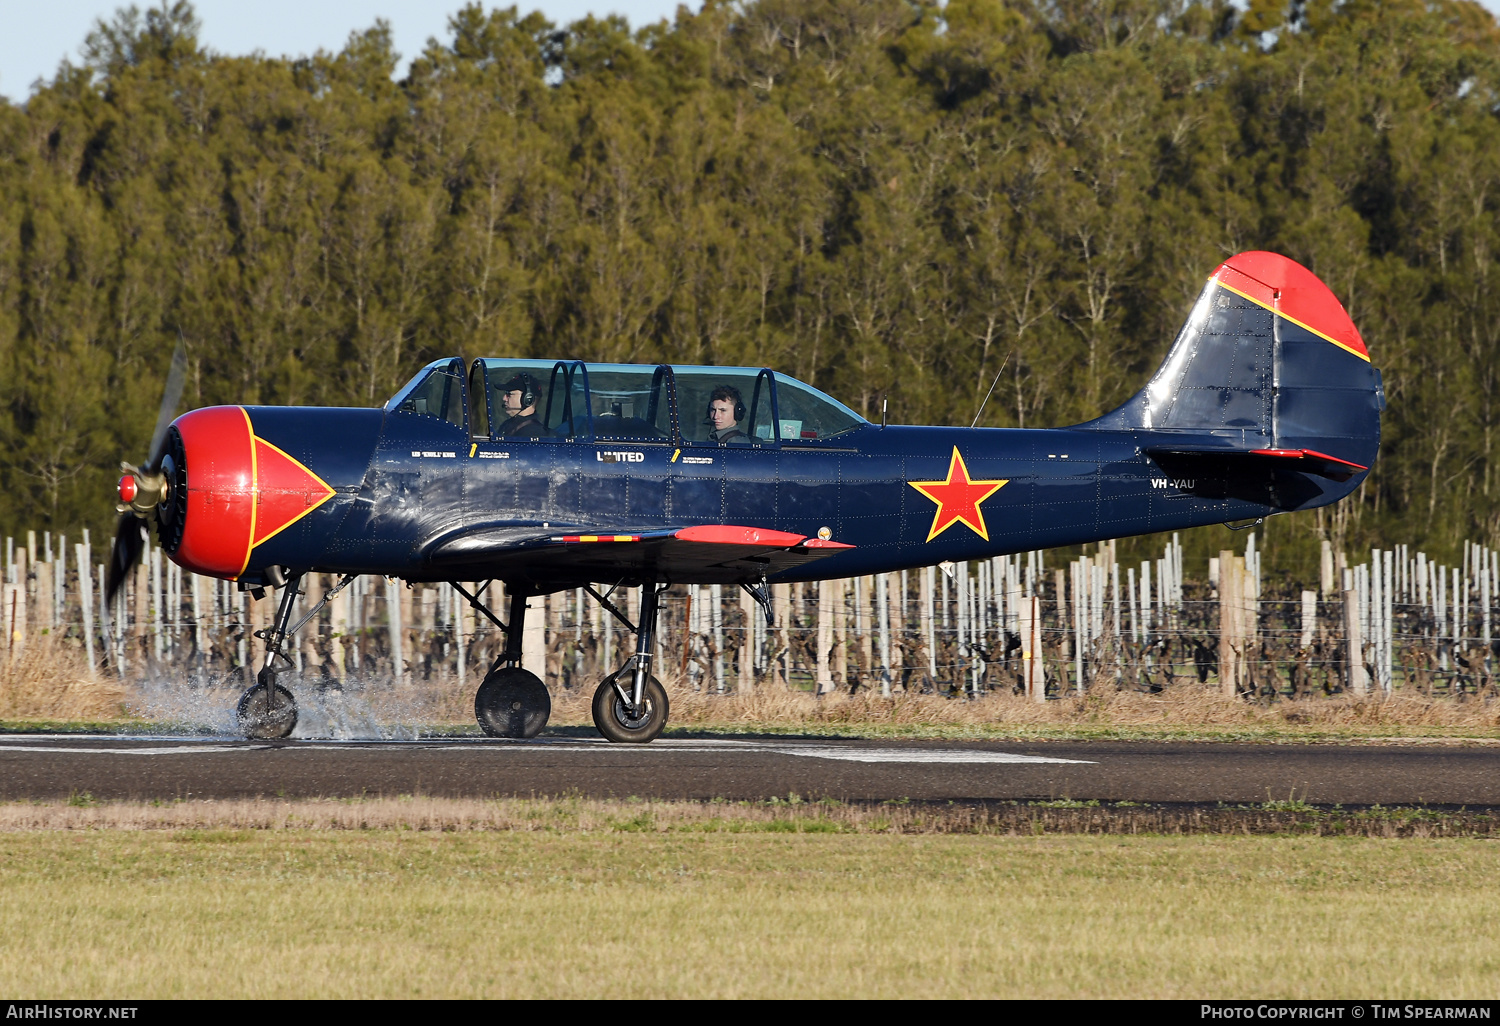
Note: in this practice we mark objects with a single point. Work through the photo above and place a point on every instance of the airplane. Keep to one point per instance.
(559, 474)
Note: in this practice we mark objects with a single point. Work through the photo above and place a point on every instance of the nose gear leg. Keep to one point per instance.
(267, 709)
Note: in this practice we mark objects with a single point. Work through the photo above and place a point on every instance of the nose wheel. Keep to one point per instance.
(512, 702)
(267, 712)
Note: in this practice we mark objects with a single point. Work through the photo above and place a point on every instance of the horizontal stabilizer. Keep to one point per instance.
(1310, 462)
(1304, 461)
(1276, 477)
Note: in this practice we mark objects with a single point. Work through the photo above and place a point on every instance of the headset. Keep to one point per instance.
(739, 405)
(523, 383)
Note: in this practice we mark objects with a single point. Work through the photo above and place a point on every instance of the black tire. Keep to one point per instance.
(614, 720)
(261, 723)
(512, 702)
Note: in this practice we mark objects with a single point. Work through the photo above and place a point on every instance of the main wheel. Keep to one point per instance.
(261, 719)
(512, 702)
(612, 716)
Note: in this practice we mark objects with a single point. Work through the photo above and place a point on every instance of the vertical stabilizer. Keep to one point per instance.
(1268, 361)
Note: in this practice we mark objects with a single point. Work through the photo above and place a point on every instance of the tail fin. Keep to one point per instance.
(1269, 372)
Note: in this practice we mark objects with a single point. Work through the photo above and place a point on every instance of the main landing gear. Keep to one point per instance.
(511, 701)
(267, 710)
(630, 705)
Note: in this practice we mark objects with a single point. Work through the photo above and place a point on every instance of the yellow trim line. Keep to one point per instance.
(296, 519)
(1282, 313)
(254, 490)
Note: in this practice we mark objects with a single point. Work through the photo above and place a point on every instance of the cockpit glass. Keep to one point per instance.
(807, 414)
(548, 400)
(630, 402)
(518, 397)
(725, 405)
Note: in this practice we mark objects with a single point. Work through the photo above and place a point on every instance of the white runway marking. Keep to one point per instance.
(919, 755)
(173, 750)
(806, 750)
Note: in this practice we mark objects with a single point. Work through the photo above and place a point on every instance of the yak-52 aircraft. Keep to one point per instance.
(549, 475)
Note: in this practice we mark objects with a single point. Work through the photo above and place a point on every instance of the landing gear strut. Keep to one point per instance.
(267, 710)
(630, 706)
(511, 701)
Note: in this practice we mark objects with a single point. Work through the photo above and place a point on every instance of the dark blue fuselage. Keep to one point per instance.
(405, 483)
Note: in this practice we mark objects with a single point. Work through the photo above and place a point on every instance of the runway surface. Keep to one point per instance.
(57, 766)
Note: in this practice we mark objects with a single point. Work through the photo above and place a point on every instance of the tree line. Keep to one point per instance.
(881, 197)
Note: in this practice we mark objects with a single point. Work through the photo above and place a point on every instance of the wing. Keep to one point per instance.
(702, 554)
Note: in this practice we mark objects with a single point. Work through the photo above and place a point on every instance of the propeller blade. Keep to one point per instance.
(169, 398)
(130, 539)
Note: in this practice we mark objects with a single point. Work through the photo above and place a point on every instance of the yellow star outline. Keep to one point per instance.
(958, 498)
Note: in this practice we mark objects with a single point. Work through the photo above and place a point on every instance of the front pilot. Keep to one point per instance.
(518, 397)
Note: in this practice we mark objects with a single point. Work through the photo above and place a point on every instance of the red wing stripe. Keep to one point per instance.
(726, 534)
(718, 534)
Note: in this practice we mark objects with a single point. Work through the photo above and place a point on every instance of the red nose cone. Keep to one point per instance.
(220, 510)
(241, 491)
(127, 488)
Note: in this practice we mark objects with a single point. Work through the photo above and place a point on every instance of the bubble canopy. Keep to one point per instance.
(573, 401)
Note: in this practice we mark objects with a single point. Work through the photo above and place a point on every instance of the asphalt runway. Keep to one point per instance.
(40, 767)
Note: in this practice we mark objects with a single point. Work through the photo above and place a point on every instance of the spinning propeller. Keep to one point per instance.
(147, 488)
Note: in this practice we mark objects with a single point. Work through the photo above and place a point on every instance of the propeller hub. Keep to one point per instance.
(141, 491)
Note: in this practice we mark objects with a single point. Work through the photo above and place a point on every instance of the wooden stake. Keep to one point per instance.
(1033, 669)
(825, 636)
(86, 602)
(1357, 681)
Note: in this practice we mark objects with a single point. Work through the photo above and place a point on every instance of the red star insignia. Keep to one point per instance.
(958, 498)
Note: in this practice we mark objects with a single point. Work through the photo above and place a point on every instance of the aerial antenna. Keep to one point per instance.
(885, 404)
(992, 386)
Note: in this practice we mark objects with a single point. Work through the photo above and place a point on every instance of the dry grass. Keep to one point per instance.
(1185, 710)
(52, 682)
(588, 815)
(54, 686)
(1183, 705)
(300, 913)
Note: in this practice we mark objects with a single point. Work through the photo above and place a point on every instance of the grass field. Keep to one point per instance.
(570, 899)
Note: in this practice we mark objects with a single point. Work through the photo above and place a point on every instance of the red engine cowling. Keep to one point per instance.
(231, 491)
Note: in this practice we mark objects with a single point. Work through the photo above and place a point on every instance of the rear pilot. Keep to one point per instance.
(725, 411)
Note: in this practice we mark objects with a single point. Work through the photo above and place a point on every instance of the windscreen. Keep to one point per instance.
(807, 414)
